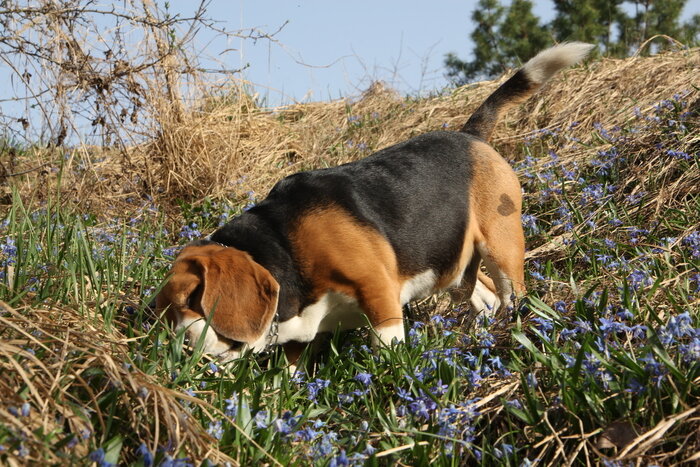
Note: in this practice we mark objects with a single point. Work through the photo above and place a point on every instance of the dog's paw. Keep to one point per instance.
(483, 301)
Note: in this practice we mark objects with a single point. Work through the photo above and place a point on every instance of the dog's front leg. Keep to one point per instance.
(382, 306)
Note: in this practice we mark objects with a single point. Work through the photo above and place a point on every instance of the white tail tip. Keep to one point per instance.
(545, 64)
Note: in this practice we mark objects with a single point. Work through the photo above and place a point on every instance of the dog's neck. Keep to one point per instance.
(255, 233)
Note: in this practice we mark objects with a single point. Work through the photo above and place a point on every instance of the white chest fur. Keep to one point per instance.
(333, 310)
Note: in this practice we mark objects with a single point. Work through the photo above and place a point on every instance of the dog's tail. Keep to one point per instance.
(525, 82)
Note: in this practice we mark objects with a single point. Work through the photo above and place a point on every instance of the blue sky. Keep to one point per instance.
(332, 49)
(326, 49)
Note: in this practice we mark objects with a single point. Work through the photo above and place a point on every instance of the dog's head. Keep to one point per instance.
(227, 287)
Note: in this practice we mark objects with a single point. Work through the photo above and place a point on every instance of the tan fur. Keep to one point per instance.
(226, 281)
(496, 202)
(339, 254)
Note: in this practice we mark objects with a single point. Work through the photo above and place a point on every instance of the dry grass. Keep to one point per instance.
(63, 366)
(227, 146)
(213, 149)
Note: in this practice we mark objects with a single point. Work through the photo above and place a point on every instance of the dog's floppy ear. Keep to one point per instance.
(240, 293)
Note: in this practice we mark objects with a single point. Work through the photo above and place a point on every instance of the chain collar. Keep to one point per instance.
(273, 332)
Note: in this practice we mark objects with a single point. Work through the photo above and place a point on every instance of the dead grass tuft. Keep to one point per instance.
(64, 366)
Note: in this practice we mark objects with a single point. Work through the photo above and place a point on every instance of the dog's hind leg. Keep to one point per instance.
(502, 249)
(476, 288)
(499, 239)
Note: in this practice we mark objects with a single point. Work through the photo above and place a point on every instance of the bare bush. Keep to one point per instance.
(103, 73)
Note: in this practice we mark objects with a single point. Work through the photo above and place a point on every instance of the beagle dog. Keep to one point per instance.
(341, 247)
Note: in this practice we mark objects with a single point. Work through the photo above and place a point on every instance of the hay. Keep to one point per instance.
(229, 149)
(61, 365)
(226, 146)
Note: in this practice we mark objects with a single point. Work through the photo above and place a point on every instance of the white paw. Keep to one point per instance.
(388, 334)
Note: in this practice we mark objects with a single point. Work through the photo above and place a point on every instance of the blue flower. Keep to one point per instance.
(515, 403)
(530, 223)
(340, 460)
(306, 434)
(324, 446)
(261, 419)
(168, 461)
(403, 394)
(146, 455)
(286, 424)
(190, 232)
(231, 408)
(315, 387)
(639, 278)
(691, 351)
(635, 387)
(531, 380)
(422, 408)
(582, 326)
(364, 378)
(98, 455)
(543, 324)
(591, 364)
(506, 450)
(692, 240)
(215, 429)
(609, 326)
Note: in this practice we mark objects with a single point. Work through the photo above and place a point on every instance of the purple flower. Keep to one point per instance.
(190, 232)
(506, 450)
(146, 455)
(231, 408)
(215, 429)
(634, 387)
(691, 351)
(98, 455)
(582, 326)
(339, 460)
(530, 223)
(639, 278)
(609, 326)
(693, 241)
(315, 387)
(531, 380)
(324, 446)
(543, 324)
(403, 394)
(306, 434)
(515, 403)
(261, 419)
(168, 461)
(286, 424)
(567, 334)
(364, 378)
